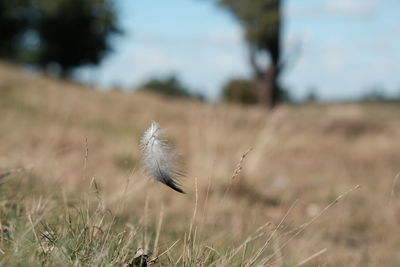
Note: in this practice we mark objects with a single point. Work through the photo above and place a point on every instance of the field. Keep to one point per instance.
(304, 185)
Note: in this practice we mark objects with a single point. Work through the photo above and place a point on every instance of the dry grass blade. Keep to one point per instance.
(146, 224)
(253, 237)
(86, 153)
(307, 224)
(393, 191)
(313, 256)
(261, 250)
(236, 172)
(195, 209)
(239, 167)
(154, 260)
(155, 247)
(35, 234)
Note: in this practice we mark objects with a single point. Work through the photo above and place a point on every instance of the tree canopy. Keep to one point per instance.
(13, 23)
(69, 33)
(240, 91)
(170, 86)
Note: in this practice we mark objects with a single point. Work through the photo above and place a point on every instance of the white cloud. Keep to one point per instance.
(152, 58)
(346, 8)
(353, 8)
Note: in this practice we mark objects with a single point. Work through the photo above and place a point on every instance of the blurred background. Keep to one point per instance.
(313, 50)
(278, 109)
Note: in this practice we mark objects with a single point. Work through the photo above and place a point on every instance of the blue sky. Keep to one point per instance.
(339, 48)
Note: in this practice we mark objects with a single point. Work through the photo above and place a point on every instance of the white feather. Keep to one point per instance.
(159, 158)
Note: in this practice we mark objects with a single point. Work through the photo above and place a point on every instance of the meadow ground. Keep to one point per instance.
(73, 190)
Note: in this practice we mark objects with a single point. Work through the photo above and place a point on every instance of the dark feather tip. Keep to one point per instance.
(169, 181)
(174, 186)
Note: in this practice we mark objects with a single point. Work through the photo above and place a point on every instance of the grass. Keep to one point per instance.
(58, 231)
(74, 192)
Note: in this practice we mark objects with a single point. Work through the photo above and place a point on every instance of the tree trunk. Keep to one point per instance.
(267, 79)
(267, 86)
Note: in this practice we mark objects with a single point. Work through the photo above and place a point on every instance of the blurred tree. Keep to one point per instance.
(13, 23)
(311, 96)
(244, 91)
(261, 20)
(74, 32)
(240, 91)
(61, 33)
(375, 93)
(170, 86)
